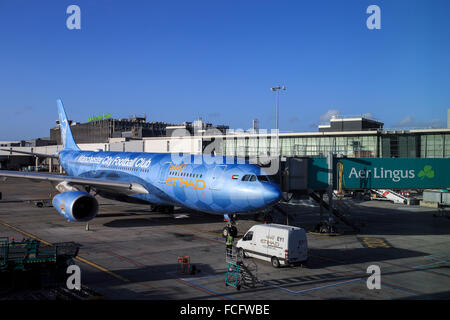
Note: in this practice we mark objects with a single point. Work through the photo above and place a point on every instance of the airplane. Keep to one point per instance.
(158, 179)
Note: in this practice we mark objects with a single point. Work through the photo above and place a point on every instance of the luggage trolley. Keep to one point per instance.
(234, 270)
(238, 273)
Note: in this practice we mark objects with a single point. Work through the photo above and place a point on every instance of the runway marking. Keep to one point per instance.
(315, 288)
(24, 232)
(204, 289)
(390, 285)
(372, 242)
(115, 275)
(78, 257)
(420, 268)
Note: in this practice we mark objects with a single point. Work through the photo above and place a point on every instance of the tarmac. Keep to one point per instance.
(132, 253)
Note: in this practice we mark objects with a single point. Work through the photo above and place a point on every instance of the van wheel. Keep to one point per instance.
(275, 262)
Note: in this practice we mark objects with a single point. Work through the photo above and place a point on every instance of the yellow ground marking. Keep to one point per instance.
(375, 242)
(115, 275)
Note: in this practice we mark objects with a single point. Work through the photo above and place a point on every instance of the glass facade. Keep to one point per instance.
(361, 145)
(435, 145)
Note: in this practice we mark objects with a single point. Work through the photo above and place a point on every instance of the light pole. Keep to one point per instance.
(277, 89)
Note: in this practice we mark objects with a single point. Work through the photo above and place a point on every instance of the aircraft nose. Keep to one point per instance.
(272, 193)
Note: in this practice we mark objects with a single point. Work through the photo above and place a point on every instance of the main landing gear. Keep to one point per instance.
(230, 228)
(162, 209)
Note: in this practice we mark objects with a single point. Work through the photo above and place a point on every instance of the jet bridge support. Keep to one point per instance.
(297, 176)
(318, 176)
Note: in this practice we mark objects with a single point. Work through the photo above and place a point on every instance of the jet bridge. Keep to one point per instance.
(316, 177)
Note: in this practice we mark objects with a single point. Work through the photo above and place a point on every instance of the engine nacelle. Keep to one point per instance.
(76, 205)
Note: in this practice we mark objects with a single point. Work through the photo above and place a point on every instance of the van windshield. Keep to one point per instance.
(248, 236)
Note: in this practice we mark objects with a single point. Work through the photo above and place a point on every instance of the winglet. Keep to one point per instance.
(66, 134)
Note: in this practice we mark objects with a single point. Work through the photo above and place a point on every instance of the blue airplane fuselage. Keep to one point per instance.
(205, 183)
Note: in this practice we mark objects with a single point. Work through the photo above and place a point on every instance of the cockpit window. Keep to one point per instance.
(249, 177)
(263, 178)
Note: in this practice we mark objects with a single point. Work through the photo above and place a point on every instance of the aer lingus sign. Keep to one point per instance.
(396, 173)
(382, 173)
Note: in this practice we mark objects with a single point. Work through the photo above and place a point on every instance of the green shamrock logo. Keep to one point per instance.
(426, 172)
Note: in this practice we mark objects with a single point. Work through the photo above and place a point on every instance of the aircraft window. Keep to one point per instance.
(253, 177)
(263, 178)
(248, 236)
(246, 177)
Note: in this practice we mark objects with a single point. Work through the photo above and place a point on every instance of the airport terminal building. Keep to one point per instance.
(349, 137)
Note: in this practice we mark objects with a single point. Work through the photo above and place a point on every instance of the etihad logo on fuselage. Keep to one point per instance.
(185, 183)
(179, 168)
(381, 173)
(117, 161)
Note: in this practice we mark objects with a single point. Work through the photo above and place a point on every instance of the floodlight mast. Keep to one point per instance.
(277, 89)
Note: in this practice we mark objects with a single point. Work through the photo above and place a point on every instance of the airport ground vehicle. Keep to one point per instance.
(279, 244)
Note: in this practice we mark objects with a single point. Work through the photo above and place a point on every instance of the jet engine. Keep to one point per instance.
(76, 205)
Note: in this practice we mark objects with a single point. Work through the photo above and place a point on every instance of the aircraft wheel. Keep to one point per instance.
(225, 232)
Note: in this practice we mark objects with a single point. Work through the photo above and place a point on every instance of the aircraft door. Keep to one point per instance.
(216, 180)
(163, 172)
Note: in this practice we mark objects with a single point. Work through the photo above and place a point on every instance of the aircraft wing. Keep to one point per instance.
(122, 187)
(40, 155)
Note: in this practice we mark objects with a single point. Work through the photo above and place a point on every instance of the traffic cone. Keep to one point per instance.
(87, 226)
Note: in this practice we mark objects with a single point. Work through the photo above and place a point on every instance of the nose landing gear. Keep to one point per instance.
(230, 228)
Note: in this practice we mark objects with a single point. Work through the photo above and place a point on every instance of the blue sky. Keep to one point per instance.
(178, 60)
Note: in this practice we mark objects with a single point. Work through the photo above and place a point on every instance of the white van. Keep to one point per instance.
(279, 244)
